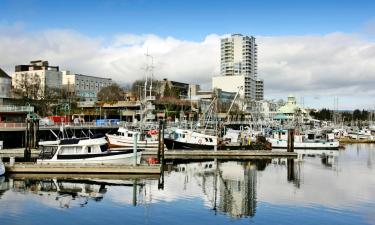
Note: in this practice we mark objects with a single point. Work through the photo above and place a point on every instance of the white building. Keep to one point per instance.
(83, 87)
(238, 65)
(39, 75)
(259, 90)
(5, 84)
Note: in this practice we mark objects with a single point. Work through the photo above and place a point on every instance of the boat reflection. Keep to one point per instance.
(68, 191)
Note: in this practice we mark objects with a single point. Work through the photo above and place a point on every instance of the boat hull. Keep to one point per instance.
(117, 157)
(2, 168)
(118, 141)
(176, 145)
(334, 145)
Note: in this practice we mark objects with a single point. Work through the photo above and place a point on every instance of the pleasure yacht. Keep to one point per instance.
(303, 141)
(187, 139)
(2, 168)
(125, 138)
(83, 151)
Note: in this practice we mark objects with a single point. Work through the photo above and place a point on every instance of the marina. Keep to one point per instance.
(214, 191)
(187, 112)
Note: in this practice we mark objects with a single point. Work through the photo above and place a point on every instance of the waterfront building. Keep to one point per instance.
(83, 87)
(176, 88)
(5, 84)
(238, 66)
(37, 79)
(291, 110)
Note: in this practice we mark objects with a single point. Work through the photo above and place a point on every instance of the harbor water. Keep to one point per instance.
(320, 187)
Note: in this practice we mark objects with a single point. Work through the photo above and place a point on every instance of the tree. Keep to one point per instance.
(167, 90)
(28, 86)
(111, 93)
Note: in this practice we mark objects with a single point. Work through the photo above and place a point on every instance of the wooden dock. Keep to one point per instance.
(223, 154)
(17, 152)
(82, 169)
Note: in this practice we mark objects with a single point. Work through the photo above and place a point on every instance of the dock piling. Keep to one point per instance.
(159, 139)
(290, 140)
(135, 148)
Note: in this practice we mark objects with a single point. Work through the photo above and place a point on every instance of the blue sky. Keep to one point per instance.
(313, 49)
(191, 20)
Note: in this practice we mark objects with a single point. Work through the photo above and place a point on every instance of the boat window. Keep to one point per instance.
(68, 150)
(206, 139)
(183, 136)
(89, 149)
(47, 152)
(130, 135)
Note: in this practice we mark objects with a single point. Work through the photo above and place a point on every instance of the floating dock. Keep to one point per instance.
(82, 168)
(17, 152)
(223, 154)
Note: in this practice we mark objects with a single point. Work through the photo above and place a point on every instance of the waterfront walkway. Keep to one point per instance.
(85, 125)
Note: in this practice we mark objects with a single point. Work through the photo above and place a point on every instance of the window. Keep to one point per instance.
(89, 149)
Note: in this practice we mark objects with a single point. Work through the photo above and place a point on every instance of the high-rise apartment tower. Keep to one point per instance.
(238, 65)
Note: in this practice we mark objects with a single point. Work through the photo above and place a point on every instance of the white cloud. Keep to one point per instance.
(324, 65)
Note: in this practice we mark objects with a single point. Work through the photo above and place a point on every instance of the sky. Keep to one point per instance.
(316, 50)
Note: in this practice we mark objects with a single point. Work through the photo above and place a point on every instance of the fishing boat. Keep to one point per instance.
(187, 139)
(83, 151)
(125, 138)
(2, 168)
(303, 141)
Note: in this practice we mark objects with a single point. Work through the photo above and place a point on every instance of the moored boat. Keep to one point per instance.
(303, 141)
(83, 151)
(125, 138)
(187, 139)
(2, 168)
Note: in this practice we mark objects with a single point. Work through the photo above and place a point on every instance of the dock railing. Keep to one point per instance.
(56, 125)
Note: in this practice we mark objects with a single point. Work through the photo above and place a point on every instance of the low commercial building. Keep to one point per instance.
(83, 87)
(232, 84)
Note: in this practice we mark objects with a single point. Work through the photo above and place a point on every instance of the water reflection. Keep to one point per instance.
(338, 184)
(68, 191)
(230, 186)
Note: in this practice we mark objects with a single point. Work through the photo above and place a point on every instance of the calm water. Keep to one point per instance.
(333, 187)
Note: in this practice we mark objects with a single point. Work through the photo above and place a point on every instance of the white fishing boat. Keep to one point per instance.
(2, 168)
(83, 151)
(303, 141)
(125, 138)
(187, 139)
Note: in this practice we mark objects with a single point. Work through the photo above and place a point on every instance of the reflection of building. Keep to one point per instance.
(83, 87)
(237, 189)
